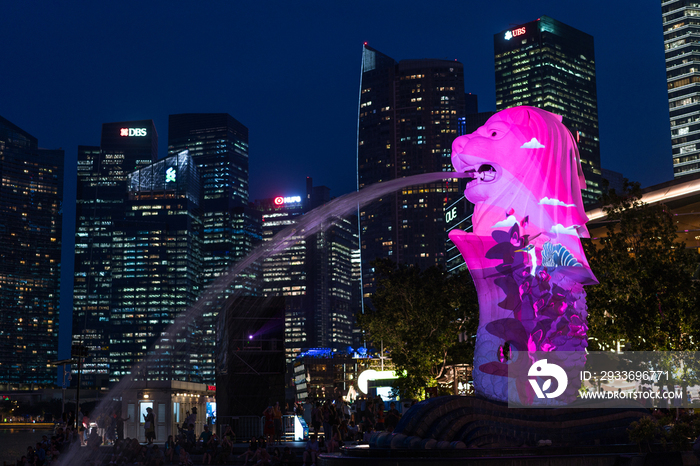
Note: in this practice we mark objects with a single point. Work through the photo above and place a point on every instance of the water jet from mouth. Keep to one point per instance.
(309, 224)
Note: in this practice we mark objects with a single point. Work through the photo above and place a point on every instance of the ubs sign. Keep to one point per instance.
(132, 132)
(514, 33)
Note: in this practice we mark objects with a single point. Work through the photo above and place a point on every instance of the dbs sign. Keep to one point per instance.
(132, 132)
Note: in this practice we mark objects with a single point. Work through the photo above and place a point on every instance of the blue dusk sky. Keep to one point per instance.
(290, 72)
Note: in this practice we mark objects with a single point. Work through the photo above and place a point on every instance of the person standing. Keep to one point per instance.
(191, 418)
(119, 424)
(316, 418)
(277, 413)
(380, 416)
(86, 428)
(392, 417)
(269, 429)
(150, 425)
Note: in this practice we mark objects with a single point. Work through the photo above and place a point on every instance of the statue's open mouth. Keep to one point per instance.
(485, 173)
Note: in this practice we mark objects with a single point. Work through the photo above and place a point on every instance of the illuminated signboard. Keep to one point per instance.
(514, 33)
(371, 374)
(170, 175)
(132, 132)
(279, 200)
(451, 214)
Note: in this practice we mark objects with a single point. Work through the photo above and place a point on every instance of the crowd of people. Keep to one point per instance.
(342, 424)
(332, 424)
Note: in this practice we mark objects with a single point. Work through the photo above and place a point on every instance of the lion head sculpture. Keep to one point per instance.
(523, 159)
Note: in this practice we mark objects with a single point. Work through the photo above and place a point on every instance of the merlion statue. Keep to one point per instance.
(525, 253)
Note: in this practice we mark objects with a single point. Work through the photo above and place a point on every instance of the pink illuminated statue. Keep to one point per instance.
(525, 253)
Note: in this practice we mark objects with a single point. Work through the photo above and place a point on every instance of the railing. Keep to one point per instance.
(247, 427)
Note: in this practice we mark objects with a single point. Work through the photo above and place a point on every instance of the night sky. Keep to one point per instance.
(290, 72)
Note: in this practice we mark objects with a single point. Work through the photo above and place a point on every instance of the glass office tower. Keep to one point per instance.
(156, 273)
(101, 195)
(681, 23)
(218, 145)
(408, 117)
(314, 275)
(31, 194)
(547, 64)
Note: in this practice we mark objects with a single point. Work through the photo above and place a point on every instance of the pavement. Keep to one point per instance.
(297, 449)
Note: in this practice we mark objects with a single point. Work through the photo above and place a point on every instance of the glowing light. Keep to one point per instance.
(662, 194)
(170, 175)
(279, 200)
(514, 33)
(371, 374)
(132, 132)
(250, 337)
(543, 196)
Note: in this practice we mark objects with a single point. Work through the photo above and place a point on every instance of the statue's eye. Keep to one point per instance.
(493, 134)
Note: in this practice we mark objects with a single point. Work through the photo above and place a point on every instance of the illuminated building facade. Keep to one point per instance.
(156, 269)
(218, 144)
(320, 373)
(101, 196)
(315, 275)
(550, 65)
(408, 117)
(681, 23)
(31, 194)
(459, 213)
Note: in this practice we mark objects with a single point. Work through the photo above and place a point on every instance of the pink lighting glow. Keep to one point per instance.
(525, 253)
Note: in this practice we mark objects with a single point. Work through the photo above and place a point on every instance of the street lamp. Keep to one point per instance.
(66, 373)
(78, 351)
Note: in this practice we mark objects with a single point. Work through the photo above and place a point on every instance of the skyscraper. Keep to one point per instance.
(218, 145)
(314, 275)
(547, 64)
(31, 194)
(101, 194)
(156, 272)
(408, 118)
(683, 79)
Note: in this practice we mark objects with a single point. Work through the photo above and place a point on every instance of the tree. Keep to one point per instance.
(647, 295)
(417, 316)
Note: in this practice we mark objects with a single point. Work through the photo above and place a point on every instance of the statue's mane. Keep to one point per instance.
(552, 174)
